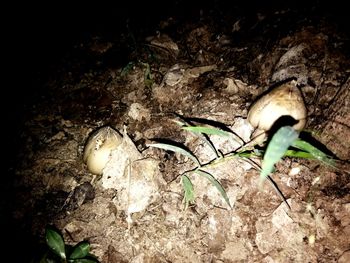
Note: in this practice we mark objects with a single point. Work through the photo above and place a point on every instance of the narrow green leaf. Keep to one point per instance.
(288, 153)
(203, 136)
(214, 182)
(188, 189)
(179, 123)
(276, 148)
(169, 147)
(298, 154)
(233, 138)
(207, 130)
(316, 153)
(214, 131)
(55, 241)
(249, 153)
(80, 250)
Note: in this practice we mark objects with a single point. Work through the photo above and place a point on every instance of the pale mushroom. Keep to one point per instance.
(285, 100)
(98, 148)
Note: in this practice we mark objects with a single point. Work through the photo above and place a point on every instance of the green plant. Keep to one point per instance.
(281, 141)
(60, 252)
(284, 143)
(147, 77)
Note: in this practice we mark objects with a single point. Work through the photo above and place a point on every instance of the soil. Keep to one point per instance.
(206, 65)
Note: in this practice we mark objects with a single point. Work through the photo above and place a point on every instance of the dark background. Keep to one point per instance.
(37, 34)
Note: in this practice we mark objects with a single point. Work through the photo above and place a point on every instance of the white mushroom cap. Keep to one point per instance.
(98, 148)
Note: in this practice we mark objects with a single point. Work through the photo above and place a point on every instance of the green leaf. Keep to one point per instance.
(249, 153)
(179, 122)
(55, 241)
(80, 250)
(203, 136)
(207, 130)
(316, 153)
(214, 131)
(214, 182)
(280, 142)
(298, 154)
(169, 147)
(188, 189)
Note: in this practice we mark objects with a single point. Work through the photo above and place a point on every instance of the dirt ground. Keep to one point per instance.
(208, 66)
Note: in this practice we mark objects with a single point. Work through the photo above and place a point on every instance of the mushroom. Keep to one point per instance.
(284, 101)
(98, 148)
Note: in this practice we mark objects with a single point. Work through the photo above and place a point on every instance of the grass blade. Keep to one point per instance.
(188, 189)
(207, 130)
(214, 131)
(316, 153)
(298, 154)
(199, 130)
(279, 144)
(173, 148)
(179, 122)
(215, 183)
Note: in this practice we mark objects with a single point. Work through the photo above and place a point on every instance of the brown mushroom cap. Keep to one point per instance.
(284, 100)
